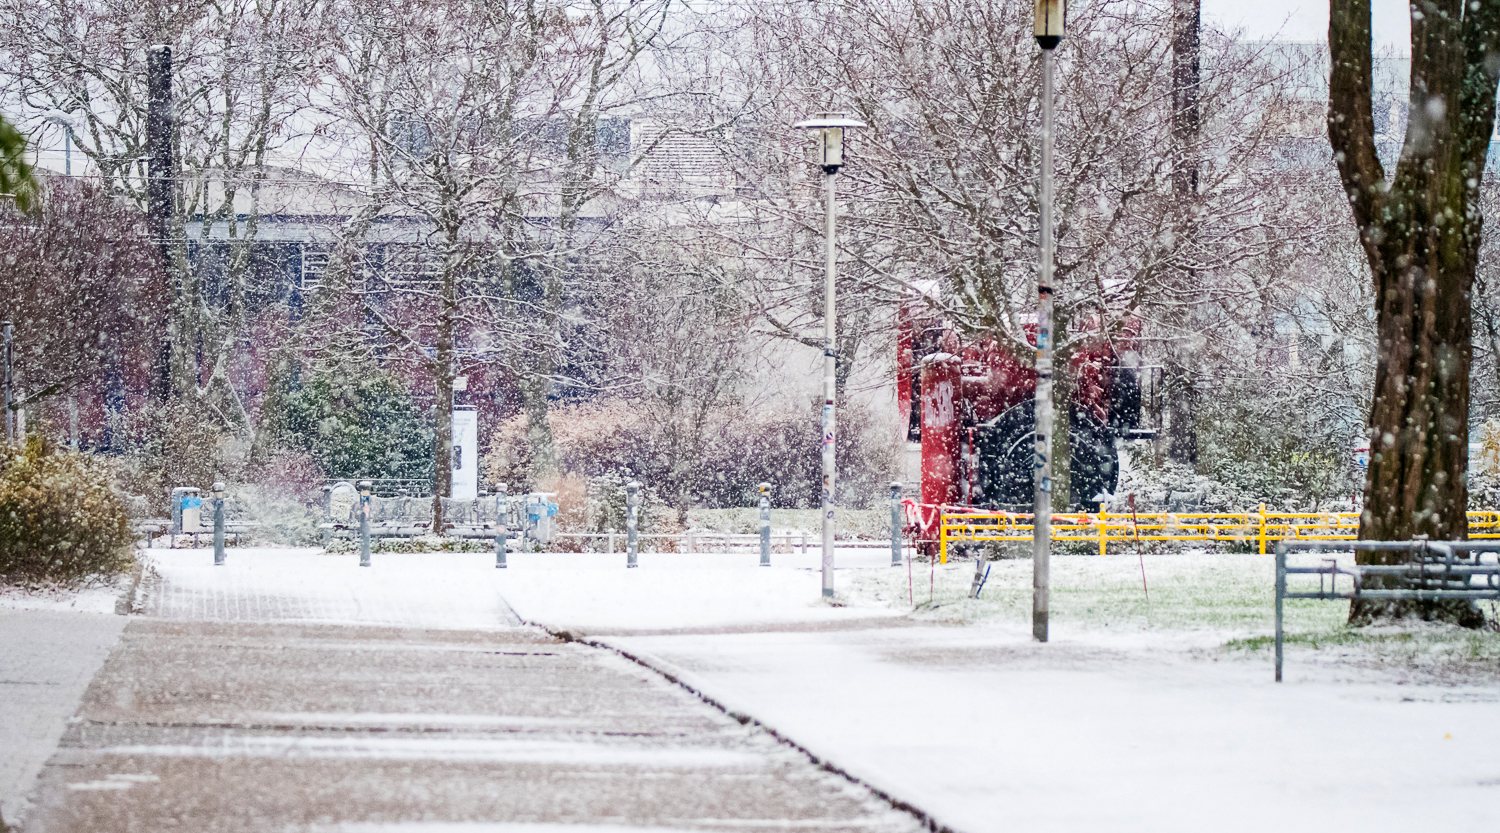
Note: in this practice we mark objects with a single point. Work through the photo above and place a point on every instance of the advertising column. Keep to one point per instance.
(465, 453)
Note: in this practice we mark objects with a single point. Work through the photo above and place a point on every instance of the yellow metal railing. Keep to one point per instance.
(1262, 528)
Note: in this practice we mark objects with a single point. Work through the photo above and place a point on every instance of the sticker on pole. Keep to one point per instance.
(827, 425)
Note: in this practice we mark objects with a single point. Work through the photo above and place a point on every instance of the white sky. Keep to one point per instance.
(1304, 20)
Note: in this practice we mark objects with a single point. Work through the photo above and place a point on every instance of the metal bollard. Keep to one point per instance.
(765, 524)
(632, 502)
(364, 523)
(895, 523)
(503, 513)
(219, 524)
(327, 515)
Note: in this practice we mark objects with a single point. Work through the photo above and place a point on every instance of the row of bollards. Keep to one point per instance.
(632, 524)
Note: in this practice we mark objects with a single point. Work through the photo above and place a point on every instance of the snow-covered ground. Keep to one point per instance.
(93, 598)
(1095, 731)
(589, 591)
(52, 641)
(1132, 718)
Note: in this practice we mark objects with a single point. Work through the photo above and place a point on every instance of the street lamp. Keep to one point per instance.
(65, 121)
(1049, 33)
(830, 127)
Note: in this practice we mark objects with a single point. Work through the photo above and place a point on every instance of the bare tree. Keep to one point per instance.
(237, 72)
(482, 135)
(81, 280)
(943, 186)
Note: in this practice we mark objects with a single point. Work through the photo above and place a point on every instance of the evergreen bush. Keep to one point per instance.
(61, 521)
(356, 422)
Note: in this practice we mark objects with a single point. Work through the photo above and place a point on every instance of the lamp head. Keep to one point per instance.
(831, 139)
(364, 488)
(219, 489)
(1049, 23)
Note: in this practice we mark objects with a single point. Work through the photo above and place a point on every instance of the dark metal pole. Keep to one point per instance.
(364, 523)
(896, 523)
(500, 531)
(159, 186)
(327, 515)
(10, 414)
(765, 524)
(1280, 595)
(219, 524)
(632, 502)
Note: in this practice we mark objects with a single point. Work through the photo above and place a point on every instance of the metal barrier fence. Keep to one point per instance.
(1437, 570)
(1262, 528)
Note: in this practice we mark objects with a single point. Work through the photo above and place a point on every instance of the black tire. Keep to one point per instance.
(1006, 446)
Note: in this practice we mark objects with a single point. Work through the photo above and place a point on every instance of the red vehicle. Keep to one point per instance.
(972, 408)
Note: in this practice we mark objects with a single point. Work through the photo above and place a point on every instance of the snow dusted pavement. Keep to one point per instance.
(989, 731)
(47, 657)
(293, 691)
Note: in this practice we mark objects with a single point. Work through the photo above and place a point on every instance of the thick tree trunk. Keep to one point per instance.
(1421, 235)
(1181, 390)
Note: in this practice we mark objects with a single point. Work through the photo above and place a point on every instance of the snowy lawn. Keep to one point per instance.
(849, 523)
(1228, 595)
(98, 596)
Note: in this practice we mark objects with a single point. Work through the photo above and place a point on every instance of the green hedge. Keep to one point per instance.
(60, 519)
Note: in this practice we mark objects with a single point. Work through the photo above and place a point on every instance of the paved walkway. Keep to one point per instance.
(334, 707)
(46, 660)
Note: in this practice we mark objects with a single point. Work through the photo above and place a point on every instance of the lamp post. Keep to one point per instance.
(1049, 33)
(830, 127)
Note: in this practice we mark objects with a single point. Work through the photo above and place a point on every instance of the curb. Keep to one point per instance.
(126, 603)
(674, 677)
(129, 601)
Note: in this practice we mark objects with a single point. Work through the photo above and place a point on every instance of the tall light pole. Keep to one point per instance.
(830, 127)
(1049, 33)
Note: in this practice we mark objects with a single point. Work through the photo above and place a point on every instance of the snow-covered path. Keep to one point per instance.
(293, 691)
(1098, 730)
(589, 591)
(50, 647)
(992, 732)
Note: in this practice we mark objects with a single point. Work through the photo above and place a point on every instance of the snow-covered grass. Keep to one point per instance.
(96, 596)
(1187, 591)
(848, 523)
(1228, 594)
